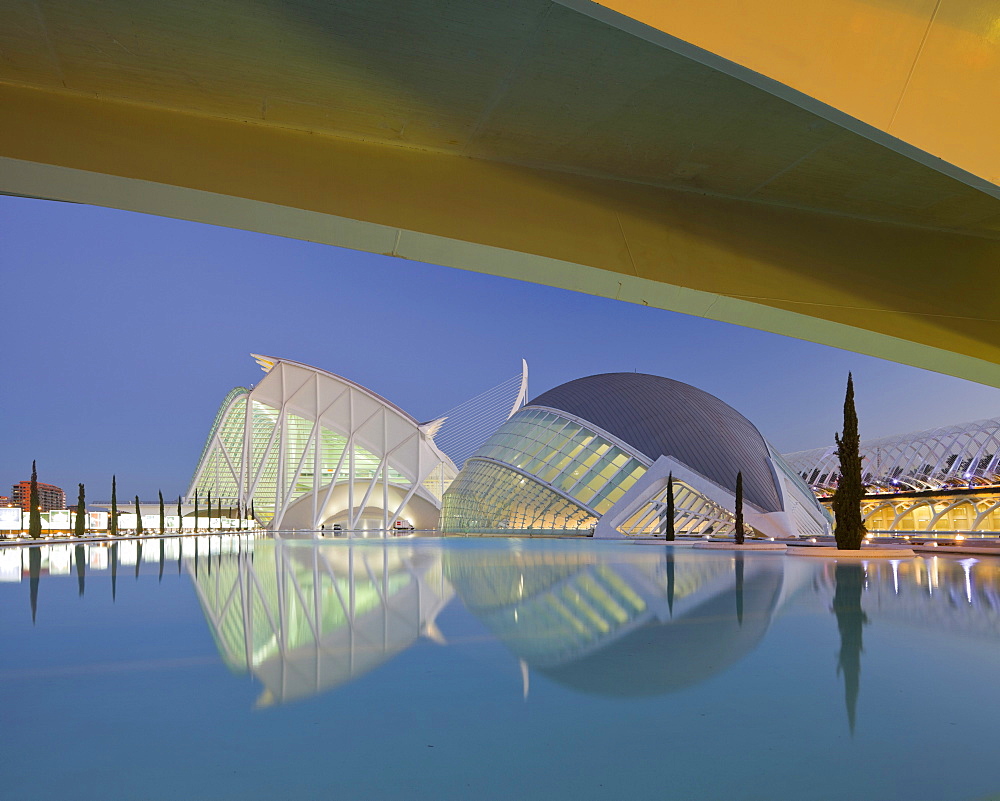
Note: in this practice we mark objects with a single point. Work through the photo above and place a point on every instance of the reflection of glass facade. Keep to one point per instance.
(644, 622)
(540, 471)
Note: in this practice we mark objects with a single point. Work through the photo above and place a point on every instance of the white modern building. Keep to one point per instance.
(596, 454)
(961, 455)
(939, 482)
(306, 449)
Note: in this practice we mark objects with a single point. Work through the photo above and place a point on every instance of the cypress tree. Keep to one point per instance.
(180, 516)
(740, 532)
(113, 523)
(81, 514)
(849, 526)
(196, 511)
(209, 507)
(253, 512)
(669, 533)
(34, 512)
(163, 516)
(138, 517)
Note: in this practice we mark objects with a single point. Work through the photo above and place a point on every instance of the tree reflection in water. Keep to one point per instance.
(114, 570)
(80, 557)
(849, 580)
(739, 587)
(34, 574)
(671, 578)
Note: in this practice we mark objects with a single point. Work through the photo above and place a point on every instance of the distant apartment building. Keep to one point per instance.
(49, 496)
(5, 501)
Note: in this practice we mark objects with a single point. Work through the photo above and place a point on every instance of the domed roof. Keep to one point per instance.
(658, 416)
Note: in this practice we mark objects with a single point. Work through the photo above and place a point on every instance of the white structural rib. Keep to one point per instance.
(309, 448)
(467, 426)
(935, 459)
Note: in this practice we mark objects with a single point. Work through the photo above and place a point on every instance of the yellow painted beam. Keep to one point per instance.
(917, 296)
(926, 72)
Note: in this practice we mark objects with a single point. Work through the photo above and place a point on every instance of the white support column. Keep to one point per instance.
(247, 450)
(336, 475)
(351, 519)
(279, 483)
(371, 486)
(413, 487)
(298, 470)
(267, 455)
(385, 474)
(316, 460)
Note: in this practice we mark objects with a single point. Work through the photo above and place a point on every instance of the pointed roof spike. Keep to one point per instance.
(265, 362)
(431, 427)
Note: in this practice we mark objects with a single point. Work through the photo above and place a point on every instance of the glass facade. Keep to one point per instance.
(545, 470)
(567, 455)
(566, 476)
(693, 514)
(221, 464)
(491, 497)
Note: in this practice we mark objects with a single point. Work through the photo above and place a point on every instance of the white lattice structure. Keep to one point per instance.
(946, 512)
(307, 448)
(940, 458)
(470, 424)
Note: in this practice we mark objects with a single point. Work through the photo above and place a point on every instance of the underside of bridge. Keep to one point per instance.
(825, 169)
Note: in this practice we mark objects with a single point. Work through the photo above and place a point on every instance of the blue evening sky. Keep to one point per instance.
(123, 333)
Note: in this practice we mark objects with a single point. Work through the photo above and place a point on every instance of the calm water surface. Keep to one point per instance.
(494, 669)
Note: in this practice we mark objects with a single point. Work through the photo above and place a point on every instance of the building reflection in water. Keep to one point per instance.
(306, 617)
(652, 621)
(953, 595)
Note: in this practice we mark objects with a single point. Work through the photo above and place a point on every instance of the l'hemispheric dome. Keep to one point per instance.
(594, 455)
(659, 416)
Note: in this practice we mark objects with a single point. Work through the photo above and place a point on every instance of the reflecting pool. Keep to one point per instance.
(240, 668)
